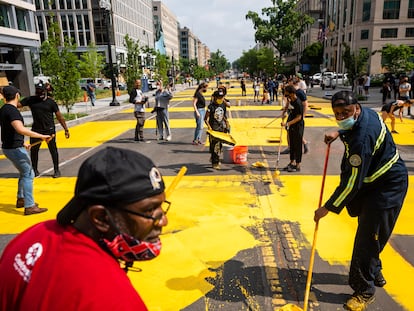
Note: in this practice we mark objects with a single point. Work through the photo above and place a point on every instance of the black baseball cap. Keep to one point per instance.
(112, 176)
(343, 98)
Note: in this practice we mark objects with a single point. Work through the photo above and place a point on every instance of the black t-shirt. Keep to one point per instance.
(217, 116)
(295, 109)
(10, 138)
(201, 101)
(43, 114)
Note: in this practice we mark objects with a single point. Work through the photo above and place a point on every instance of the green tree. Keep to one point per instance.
(60, 63)
(313, 55)
(163, 66)
(92, 62)
(355, 64)
(249, 62)
(133, 70)
(281, 26)
(397, 59)
(200, 73)
(218, 62)
(266, 62)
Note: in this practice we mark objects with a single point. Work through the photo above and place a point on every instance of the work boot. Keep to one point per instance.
(358, 302)
(20, 203)
(379, 280)
(35, 209)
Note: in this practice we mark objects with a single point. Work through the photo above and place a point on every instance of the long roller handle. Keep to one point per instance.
(175, 181)
(315, 233)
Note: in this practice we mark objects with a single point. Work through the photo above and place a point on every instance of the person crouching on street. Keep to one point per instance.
(388, 110)
(373, 185)
(295, 127)
(216, 119)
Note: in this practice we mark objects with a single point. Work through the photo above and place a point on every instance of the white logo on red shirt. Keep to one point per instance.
(24, 267)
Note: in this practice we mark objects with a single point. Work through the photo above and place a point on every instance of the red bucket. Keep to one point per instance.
(240, 154)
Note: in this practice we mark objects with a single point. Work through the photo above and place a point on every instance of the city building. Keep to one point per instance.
(84, 22)
(18, 36)
(166, 28)
(369, 25)
(315, 9)
(188, 44)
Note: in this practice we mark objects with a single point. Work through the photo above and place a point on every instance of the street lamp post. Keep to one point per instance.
(173, 69)
(106, 6)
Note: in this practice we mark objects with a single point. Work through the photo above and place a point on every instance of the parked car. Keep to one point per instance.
(340, 79)
(152, 84)
(101, 83)
(316, 78)
(326, 80)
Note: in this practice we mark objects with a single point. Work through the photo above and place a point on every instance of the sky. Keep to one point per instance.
(219, 24)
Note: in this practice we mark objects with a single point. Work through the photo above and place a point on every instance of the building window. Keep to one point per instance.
(21, 19)
(391, 9)
(4, 16)
(410, 9)
(409, 32)
(389, 33)
(366, 10)
(364, 34)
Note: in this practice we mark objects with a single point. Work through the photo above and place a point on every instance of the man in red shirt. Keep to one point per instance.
(72, 263)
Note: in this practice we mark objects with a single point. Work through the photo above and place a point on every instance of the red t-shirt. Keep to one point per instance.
(50, 267)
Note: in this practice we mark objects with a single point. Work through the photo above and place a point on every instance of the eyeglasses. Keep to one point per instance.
(156, 219)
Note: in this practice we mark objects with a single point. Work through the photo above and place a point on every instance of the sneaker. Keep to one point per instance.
(35, 209)
(195, 142)
(20, 203)
(286, 167)
(168, 138)
(379, 280)
(216, 166)
(285, 151)
(306, 148)
(293, 168)
(200, 142)
(359, 302)
(160, 138)
(57, 174)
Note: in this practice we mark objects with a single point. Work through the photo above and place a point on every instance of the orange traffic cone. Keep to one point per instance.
(85, 97)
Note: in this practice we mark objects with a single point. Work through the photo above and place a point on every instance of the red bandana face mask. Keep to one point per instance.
(130, 249)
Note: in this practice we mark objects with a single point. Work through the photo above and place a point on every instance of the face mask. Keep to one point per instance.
(219, 100)
(126, 247)
(130, 249)
(347, 123)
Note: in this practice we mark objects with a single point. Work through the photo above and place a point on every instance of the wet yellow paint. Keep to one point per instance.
(210, 216)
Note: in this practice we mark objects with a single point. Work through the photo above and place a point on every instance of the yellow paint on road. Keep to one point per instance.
(210, 215)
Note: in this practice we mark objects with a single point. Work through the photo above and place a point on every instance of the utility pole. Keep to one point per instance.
(106, 6)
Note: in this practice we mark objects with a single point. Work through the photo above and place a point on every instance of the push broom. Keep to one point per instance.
(291, 307)
(277, 172)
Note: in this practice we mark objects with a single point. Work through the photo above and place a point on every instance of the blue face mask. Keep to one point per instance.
(347, 123)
